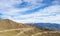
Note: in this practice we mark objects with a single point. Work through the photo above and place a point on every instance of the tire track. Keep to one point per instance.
(14, 29)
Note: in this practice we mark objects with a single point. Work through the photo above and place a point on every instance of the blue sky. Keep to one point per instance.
(31, 11)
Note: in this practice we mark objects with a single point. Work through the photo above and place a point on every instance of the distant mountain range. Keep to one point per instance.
(51, 26)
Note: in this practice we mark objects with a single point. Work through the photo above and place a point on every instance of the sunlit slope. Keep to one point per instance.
(8, 24)
(10, 28)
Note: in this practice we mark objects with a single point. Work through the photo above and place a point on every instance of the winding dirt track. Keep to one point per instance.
(23, 29)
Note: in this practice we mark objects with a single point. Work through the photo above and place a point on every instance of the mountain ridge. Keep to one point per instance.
(51, 26)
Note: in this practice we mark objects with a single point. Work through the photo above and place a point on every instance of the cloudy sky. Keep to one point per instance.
(31, 11)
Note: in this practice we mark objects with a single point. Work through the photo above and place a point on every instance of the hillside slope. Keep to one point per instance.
(10, 28)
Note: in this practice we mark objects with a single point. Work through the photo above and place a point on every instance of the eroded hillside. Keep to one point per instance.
(10, 28)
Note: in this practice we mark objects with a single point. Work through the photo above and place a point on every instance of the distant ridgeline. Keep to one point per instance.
(50, 26)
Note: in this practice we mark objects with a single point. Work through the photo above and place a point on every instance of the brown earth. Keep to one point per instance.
(11, 28)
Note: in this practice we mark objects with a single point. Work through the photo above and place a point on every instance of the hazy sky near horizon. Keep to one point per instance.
(31, 11)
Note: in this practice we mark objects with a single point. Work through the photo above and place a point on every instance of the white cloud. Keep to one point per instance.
(7, 6)
(49, 14)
